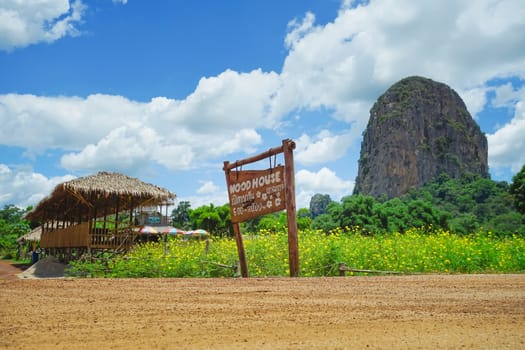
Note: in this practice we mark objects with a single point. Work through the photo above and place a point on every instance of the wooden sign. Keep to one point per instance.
(254, 193)
(257, 192)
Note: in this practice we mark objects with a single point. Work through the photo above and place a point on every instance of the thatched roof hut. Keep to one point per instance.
(78, 198)
(85, 213)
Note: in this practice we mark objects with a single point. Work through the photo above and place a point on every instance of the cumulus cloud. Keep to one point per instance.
(324, 147)
(346, 64)
(40, 122)
(24, 187)
(23, 23)
(208, 187)
(325, 181)
(208, 193)
(475, 99)
(219, 118)
(507, 144)
(229, 100)
(340, 67)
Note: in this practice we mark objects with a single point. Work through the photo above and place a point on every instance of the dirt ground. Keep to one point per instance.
(401, 312)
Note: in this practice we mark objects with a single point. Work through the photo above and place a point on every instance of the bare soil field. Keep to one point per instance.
(401, 312)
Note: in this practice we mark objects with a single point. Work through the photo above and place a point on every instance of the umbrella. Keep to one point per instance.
(174, 231)
(199, 232)
(148, 229)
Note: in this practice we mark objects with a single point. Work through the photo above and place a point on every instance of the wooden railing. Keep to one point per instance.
(78, 236)
(122, 239)
(75, 236)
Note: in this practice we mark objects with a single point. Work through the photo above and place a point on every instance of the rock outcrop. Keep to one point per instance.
(418, 129)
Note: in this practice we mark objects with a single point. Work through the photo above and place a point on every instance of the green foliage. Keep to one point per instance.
(216, 220)
(324, 223)
(181, 215)
(358, 211)
(472, 202)
(273, 222)
(304, 220)
(517, 190)
(12, 226)
(423, 250)
(393, 215)
(463, 205)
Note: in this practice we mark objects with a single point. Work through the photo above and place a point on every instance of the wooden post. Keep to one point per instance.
(289, 178)
(240, 250)
(238, 234)
(117, 209)
(287, 148)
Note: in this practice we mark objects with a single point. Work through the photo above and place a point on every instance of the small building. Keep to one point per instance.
(95, 213)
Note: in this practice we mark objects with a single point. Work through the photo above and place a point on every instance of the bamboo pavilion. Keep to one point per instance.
(96, 212)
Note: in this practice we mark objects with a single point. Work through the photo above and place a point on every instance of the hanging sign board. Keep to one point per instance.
(257, 192)
(254, 193)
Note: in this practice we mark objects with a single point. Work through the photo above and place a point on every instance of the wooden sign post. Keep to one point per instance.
(257, 192)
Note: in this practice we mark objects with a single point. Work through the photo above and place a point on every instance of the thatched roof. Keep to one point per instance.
(33, 235)
(83, 196)
(115, 183)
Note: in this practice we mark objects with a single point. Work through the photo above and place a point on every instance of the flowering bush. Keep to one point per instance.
(418, 250)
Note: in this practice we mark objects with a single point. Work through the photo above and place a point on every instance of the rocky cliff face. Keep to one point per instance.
(418, 129)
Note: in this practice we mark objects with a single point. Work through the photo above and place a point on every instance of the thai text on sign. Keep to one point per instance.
(256, 192)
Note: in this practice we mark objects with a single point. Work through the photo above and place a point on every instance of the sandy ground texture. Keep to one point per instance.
(401, 312)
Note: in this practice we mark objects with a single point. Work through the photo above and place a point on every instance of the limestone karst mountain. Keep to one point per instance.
(418, 129)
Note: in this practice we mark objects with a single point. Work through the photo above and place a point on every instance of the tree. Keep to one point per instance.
(324, 222)
(205, 217)
(359, 210)
(11, 213)
(12, 226)
(217, 220)
(393, 215)
(517, 190)
(181, 215)
(304, 220)
(273, 222)
(423, 213)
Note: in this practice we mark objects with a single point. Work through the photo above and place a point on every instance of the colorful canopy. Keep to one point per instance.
(148, 229)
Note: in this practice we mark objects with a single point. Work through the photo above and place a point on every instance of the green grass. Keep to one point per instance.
(415, 251)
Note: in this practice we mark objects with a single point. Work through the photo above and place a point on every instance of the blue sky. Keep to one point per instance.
(167, 91)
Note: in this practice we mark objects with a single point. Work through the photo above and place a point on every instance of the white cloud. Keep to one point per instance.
(325, 181)
(24, 187)
(208, 187)
(23, 23)
(208, 193)
(230, 100)
(341, 67)
(507, 144)
(325, 147)
(475, 99)
(218, 119)
(346, 64)
(126, 148)
(299, 29)
(39, 123)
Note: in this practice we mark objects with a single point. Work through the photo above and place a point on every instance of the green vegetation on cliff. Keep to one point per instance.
(461, 205)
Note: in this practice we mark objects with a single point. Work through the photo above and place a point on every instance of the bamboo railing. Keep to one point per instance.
(104, 239)
(74, 236)
(78, 236)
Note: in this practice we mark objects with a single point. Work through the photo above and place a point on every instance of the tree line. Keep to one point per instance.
(462, 205)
